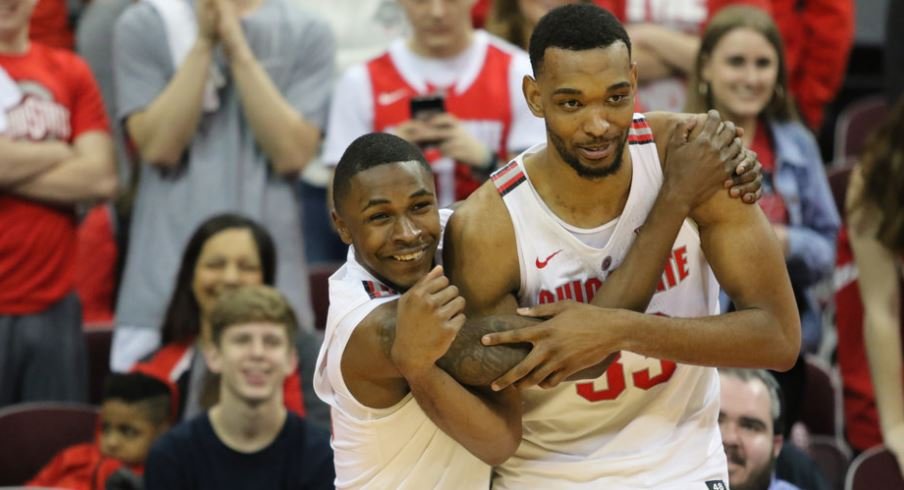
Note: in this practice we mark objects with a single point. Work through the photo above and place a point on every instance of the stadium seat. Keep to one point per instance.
(838, 181)
(820, 405)
(854, 125)
(875, 468)
(318, 277)
(97, 345)
(32, 433)
(832, 457)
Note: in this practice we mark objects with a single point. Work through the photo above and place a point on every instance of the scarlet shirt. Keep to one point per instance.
(80, 467)
(61, 101)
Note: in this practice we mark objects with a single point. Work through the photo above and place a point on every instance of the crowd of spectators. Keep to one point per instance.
(222, 121)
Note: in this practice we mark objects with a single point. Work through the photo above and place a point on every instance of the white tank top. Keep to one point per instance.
(397, 447)
(645, 423)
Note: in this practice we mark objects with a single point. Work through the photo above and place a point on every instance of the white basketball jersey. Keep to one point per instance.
(397, 447)
(645, 423)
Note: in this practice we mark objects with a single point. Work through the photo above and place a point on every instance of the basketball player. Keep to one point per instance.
(563, 215)
(378, 365)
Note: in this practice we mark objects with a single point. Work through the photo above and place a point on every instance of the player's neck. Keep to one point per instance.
(245, 427)
(579, 201)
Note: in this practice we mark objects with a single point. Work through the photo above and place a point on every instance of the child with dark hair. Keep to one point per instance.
(135, 411)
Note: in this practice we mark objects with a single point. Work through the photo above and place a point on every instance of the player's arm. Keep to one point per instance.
(746, 258)
(396, 349)
(701, 155)
(744, 254)
(880, 292)
(89, 174)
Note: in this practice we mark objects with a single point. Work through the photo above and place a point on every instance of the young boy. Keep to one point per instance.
(248, 439)
(136, 409)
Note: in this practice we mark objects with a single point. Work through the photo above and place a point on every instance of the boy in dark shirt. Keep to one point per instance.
(248, 439)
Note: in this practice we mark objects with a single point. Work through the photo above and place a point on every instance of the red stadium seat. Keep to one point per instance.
(873, 469)
(820, 406)
(854, 125)
(832, 457)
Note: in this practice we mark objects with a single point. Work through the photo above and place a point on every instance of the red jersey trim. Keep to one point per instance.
(508, 177)
(376, 290)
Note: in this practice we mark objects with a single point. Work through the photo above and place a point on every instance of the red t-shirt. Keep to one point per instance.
(60, 101)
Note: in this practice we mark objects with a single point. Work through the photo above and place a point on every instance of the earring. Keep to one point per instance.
(779, 91)
(703, 88)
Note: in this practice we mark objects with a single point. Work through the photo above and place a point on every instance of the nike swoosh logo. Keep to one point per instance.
(389, 98)
(542, 263)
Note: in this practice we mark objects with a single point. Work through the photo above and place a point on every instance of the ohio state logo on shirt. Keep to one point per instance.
(38, 117)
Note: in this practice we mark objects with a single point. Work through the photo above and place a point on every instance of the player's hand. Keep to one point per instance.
(430, 314)
(746, 180)
(561, 346)
(701, 164)
(456, 142)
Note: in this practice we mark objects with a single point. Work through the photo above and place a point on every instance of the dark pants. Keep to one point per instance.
(42, 355)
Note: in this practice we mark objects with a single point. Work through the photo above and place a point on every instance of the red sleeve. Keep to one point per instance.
(72, 468)
(292, 397)
(819, 39)
(87, 112)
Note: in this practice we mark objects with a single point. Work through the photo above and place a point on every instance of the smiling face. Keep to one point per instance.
(228, 259)
(253, 359)
(587, 101)
(390, 216)
(747, 433)
(442, 28)
(742, 72)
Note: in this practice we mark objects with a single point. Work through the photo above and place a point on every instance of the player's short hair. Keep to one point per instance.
(148, 392)
(252, 304)
(369, 151)
(575, 27)
(775, 392)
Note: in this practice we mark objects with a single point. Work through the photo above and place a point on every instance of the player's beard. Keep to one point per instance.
(584, 171)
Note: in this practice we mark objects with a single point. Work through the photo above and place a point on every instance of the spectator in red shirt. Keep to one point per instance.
(55, 152)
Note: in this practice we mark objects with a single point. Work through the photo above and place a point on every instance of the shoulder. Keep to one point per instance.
(63, 61)
(483, 265)
(314, 440)
(177, 443)
(139, 16)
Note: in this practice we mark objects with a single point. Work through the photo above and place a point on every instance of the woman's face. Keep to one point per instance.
(228, 259)
(742, 72)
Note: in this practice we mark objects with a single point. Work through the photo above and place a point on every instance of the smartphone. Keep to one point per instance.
(426, 106)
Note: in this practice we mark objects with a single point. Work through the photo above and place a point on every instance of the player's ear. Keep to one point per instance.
(341, 227)
(532, 95)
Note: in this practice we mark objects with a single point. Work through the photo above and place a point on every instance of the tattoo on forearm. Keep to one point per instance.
(471, 363)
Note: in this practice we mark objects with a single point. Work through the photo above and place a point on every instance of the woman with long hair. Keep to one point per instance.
(741, 71)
